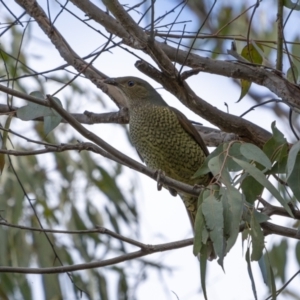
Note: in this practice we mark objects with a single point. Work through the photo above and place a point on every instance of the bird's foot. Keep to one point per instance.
(159, 178)
(159, 175)
(198, 186)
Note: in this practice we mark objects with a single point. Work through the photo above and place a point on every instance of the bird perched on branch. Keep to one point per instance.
(164, 138)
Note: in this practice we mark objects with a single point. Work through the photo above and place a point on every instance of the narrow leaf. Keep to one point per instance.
(251, 189)
(250, 53)
(236, 203)
(273, 146)
(203, 262)
(252, 152)
(213, 213)
(260, 217)
(292, 158)
(273, 284)
(50, 122)
(249, 269)
(257, 239)
(298, 252)
(292, 5)
(263, 269)
(293, 180)
(4, 140)
(245, 86)
(204, 169)
(260, 177)
(199, 225)
(292, 74)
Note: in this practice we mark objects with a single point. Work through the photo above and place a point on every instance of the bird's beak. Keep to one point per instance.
(110, 81)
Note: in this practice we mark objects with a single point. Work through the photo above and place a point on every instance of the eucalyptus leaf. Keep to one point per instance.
(252, 152)
(297, 251)
(250, 273)
(292, 74)
(292, 158)
(236, 204)
(292, 5)
(198, 227)
(260, 217)
(204, 169)
(216, 166)
(212, 210)
(293, 179)
(50, 122)
(32, 111)
(273, 146)
(245, 87)
(251, 189)
(203, 263)
(234, 151)
(257, 239)
(260, 177)
(263, 269)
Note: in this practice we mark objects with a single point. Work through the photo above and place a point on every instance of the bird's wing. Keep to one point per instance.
(189, 128)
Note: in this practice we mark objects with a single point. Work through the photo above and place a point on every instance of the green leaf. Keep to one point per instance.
(260, 217)
(52, 119)
(292, 158)
(203, 262)
(199, 225)
(297, 251)
(32, 111)
(257, 239)
(280, 165)
(216, 166)
(226, 212)
(273, 284)
(4, 140)
(278, 259)
(274, 145)
(50, 122)
(292, 74)
(212, 210)
(252, 152)
(247, 257)
(251, 189)
(204, 169)
(234, 151)
(250, 53)
(292, 5)
(263, 269)
(293, 179)
(236, 203)
(245, 86)
(260, 177)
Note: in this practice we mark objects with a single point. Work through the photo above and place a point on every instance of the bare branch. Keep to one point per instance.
(99, 264)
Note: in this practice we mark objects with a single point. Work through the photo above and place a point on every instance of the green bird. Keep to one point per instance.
(164, 138)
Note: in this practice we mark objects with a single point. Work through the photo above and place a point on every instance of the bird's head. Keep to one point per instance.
(137, 92)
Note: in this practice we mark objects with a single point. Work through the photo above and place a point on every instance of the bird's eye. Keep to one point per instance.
(130, 83)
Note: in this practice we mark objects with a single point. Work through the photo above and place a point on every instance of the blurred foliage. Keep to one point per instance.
(77, 191)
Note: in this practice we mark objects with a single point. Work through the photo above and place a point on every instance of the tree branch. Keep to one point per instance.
(99, 264)
(270, 228)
